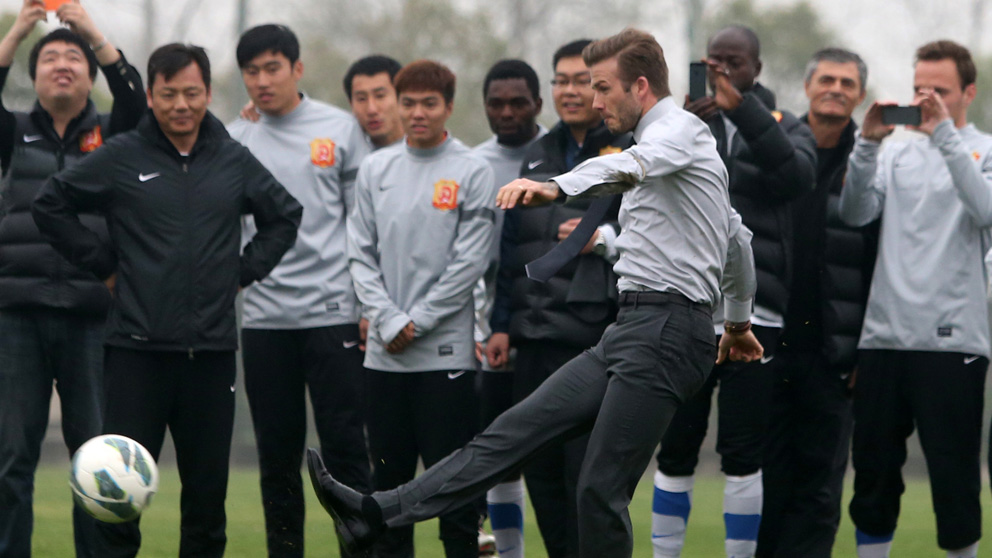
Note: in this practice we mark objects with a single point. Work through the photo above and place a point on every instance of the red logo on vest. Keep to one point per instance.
(322, 152)
(90, 140)
(446, 195)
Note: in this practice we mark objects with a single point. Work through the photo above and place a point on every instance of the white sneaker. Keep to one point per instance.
(487, 543)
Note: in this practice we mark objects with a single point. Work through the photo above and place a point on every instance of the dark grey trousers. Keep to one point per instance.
(625, 389)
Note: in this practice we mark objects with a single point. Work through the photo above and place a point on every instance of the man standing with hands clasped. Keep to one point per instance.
(925, 340)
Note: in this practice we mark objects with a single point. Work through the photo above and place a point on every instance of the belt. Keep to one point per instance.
(637, 298)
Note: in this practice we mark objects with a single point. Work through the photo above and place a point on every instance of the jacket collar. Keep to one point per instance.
(85, 121)
(847, 137)
(212, 131)
(764, 95)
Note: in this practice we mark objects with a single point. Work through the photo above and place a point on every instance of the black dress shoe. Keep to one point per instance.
(357, 518)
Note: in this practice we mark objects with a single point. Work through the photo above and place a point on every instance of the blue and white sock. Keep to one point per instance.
(670, 514)
(742, 497)
(506, 515)
(967, 552)
(870, 546)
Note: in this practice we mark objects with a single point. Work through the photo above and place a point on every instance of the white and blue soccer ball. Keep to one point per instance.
(113, 478)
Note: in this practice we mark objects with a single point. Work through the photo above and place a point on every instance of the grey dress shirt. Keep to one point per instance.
(678, 232)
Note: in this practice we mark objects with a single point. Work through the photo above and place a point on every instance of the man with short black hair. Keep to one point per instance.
(173, 192)
(300, 324)
(51, 312)
(419, 240)
(771, 160)
(368, 83)
(512, 98)
(682, 245)
(809, 434)
(549, 324)
(925, 340)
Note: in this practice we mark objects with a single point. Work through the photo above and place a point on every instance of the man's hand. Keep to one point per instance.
(111, 282)
(526, 192)
(363, 333)
(872, 128)
(703, 107)
(79, 22)
(31, 13)
(498, 350)
(402, 340)
(739, 346)
(933, 111)
(250, 113)
(725, 95)
(566, 229)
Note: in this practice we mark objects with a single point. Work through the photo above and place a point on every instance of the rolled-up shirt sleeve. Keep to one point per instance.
(739, 283)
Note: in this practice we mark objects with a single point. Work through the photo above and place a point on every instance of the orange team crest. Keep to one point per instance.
(322, 152)
(91, 140)
(777, 115)
(975, 155)
(446, 195)
(609, 149)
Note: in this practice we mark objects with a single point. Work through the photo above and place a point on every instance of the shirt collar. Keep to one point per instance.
(657, 112)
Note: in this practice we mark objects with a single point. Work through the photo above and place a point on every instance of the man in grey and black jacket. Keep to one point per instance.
(771, 159)
(51, 312)
(173, 193)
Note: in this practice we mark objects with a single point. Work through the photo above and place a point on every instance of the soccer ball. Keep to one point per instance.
(113, 478)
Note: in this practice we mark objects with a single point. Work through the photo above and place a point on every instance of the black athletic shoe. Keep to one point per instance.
(357, 518)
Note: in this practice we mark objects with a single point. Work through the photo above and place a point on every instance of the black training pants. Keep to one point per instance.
(942, 395)
(426, 415)
(808, 440)
(193, 396)
(280, 367)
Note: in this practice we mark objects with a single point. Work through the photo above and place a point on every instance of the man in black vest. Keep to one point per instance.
(551, 323)
(810, 431)
(771, 159)
(51, 312)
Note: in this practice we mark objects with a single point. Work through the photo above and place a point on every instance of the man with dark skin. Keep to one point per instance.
(771, 159)
(512, 99)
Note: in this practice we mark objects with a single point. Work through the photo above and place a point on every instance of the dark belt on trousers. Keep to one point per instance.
(638, 298)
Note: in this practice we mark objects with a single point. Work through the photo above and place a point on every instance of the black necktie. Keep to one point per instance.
(546, 266)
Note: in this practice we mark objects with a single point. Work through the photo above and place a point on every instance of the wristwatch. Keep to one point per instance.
(599, 245)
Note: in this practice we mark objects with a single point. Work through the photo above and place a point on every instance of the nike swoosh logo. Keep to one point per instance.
(349, 344)
(534, 164)
(232, 389)
(453, 375)
(29, 139)
(505, 550)
(653, 536)
(146, 177)
(767, 359)
(969, 360)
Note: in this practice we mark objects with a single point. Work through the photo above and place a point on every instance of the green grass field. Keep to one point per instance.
(246, 534)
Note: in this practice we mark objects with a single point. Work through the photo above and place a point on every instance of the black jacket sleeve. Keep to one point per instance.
(784, 152)
(129, 95)
(499, 322)
(277, 217)
(84, 187)
(7, 125)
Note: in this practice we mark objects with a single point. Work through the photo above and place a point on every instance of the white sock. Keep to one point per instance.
(506, 515)
(670, 514)
(870, 546)
(742, 497)
(967, 552)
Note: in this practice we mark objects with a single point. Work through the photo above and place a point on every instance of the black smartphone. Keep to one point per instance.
(697, 80)
(892, 115)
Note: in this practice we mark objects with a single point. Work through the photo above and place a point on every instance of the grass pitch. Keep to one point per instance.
(915, 536)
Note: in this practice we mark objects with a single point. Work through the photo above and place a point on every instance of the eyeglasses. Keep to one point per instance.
(577, 81)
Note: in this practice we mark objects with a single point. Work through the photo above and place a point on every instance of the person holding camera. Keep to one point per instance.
(925, 340)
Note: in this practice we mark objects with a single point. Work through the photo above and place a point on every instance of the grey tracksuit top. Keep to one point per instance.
(935, 198)
(314, 151)
(418, 241)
